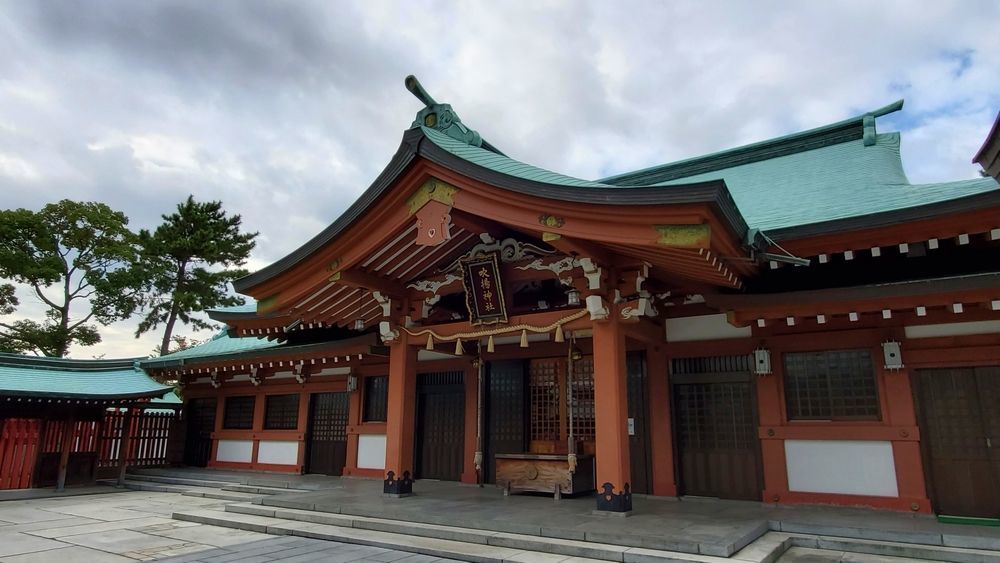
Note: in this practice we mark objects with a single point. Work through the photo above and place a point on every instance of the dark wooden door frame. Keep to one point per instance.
(334, 468)
(642, 424)
(424, 390)
(709, 378)
(190, 440)
(926, 459)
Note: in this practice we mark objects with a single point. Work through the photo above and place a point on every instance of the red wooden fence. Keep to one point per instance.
(21, 440)
(148, 439)
(18, 448)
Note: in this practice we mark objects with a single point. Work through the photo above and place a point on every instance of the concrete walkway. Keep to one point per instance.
(130, 526)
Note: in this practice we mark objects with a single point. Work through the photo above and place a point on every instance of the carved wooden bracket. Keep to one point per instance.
(433, 224)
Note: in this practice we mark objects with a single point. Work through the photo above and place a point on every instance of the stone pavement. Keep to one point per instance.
(130, 526)
(704, 526)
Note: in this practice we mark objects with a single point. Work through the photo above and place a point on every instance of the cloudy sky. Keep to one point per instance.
(286, 111)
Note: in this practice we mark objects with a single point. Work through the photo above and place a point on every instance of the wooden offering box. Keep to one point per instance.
(544, 473)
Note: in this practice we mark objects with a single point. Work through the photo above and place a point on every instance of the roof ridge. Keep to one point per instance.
(47, 362)
(851, 129)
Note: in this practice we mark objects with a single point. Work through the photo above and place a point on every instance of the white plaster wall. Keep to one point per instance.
(278, 451)
(371, 451)
(952, 329)
(705, 327)
(850, 467)
(235, 450)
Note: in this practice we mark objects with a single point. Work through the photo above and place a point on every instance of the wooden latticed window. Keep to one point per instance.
(281, 412)
(376, 399)
(238, 413)
(583, 399)
(543, 398)
(835, 384)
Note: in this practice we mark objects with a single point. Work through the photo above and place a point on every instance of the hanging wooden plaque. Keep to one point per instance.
(484, 289)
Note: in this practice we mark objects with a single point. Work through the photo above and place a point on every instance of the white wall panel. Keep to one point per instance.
(371, 451)
(278, 451)
(952, 329)
(705, 327)
(850, 467)
(235, 450)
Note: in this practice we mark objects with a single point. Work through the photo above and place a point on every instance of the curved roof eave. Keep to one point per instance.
(714, 193)
(886, 218)
(90, 396)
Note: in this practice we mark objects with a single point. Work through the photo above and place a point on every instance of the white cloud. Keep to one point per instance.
(286, 112)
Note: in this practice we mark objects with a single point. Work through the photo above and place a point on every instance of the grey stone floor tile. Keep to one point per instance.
(69, 554)
(17, 544)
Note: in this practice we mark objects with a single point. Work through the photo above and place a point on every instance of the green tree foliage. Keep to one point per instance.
(189, 261)
(179, 342)
(77, 258)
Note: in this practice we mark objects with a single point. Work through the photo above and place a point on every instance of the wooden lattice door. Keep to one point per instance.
(440, 432)
(327, 433)
(716, 428)
(960, 426)
(638, 411)
(199, 415)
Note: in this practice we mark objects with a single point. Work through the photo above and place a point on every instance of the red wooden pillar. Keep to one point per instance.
(64, 449)
(400, 416)
(123, 448)
(906, 454)
(611, 410)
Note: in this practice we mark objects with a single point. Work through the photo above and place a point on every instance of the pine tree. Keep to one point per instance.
(189, 262)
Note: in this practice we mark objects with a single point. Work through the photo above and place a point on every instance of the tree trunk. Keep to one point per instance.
(172, 317)
(168, 330)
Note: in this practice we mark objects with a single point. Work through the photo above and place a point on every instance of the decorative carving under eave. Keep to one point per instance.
(433, 224)
(592, 272)
(301, 375)
(214, 378)
(427, 305)
(434, 286)
(389, 336)
(553, 221)
(558, 267)
(683, 236)
(255, 376)
(610, 501)
(432, 190)
(384, 301)
(509, 250)
(636, 308)
(596, 308)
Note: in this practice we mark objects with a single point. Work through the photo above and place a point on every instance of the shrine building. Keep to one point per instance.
(790, 321)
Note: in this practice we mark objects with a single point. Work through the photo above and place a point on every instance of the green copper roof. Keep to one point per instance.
(248, 306)
(503, 164)
(83, 379)
(834, 182)
(220, 345)
(832, 172)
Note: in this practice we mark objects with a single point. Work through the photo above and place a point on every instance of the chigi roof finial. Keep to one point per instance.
(414, 86)
(440, 117)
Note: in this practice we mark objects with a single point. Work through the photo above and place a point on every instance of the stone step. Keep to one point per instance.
(885, 548)
(475, 545)
(261, 490)
(190, 491)
(220, 494)
(168, 480)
